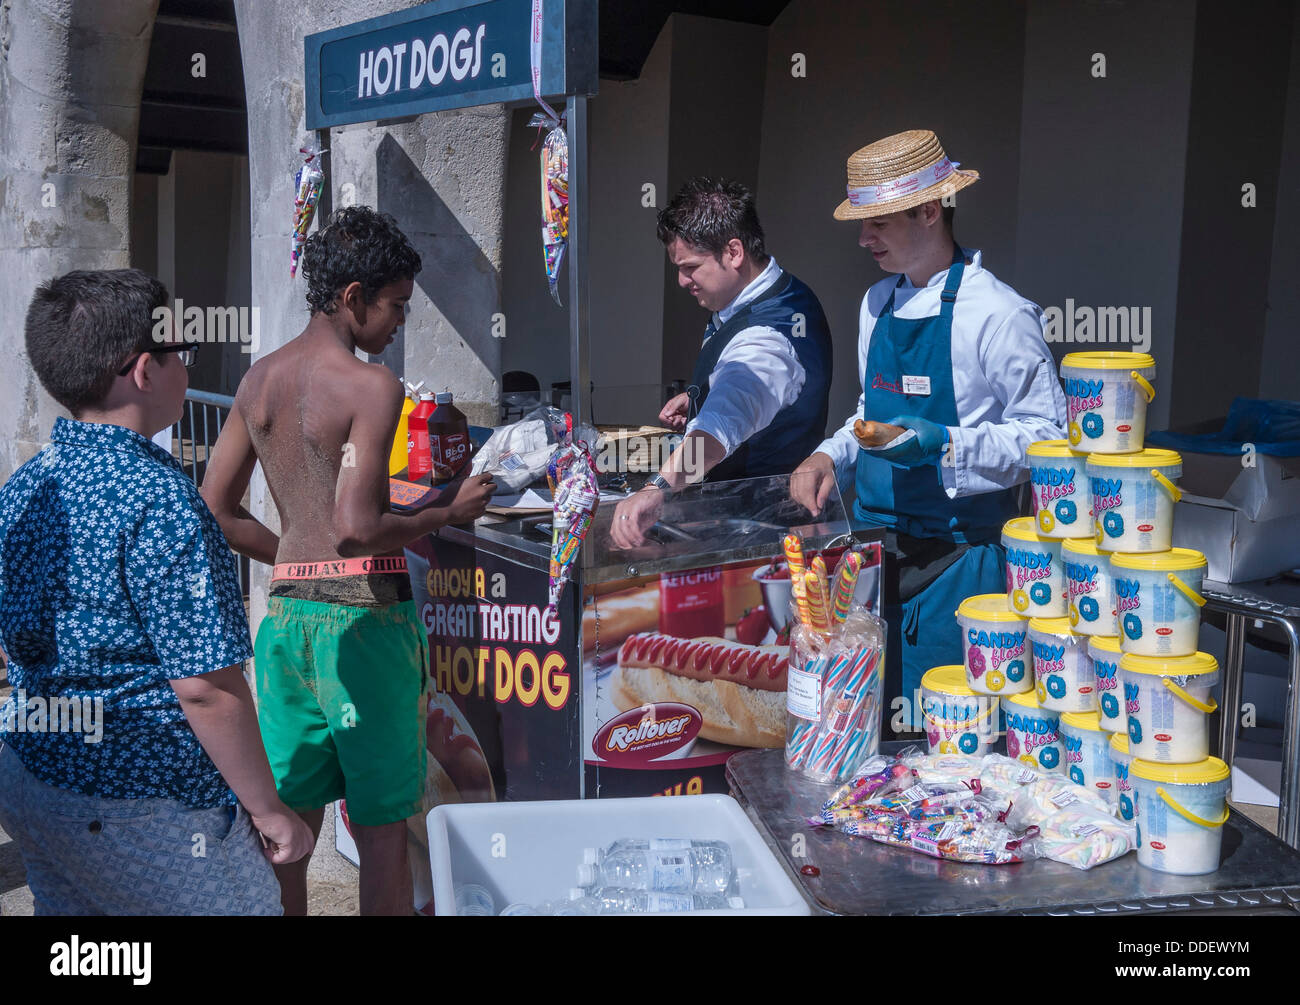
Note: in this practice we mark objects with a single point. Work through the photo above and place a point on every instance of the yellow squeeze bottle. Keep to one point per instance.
(397, 455)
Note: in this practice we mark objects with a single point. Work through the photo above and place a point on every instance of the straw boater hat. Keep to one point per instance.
(900, 172)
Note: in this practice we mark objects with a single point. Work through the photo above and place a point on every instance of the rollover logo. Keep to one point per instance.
(648, 733)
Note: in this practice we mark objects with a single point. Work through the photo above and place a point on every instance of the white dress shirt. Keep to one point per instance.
(757, 375)
(1004, 379)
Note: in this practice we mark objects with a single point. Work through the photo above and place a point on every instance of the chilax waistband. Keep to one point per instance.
(370, 565)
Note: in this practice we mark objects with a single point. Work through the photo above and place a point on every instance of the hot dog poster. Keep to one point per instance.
(682, 669)
(507, 666)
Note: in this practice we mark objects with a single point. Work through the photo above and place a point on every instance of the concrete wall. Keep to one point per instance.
(1101, 181)
(1239, 90)
(71, 73)
(873, 70)
(441, 176)
(1279, 371)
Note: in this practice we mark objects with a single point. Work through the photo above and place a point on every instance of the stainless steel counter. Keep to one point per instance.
(857, 876)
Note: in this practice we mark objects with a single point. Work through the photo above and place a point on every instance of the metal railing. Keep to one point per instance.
(193, 437)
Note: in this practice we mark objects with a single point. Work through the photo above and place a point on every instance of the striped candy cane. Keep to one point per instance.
(834, 743)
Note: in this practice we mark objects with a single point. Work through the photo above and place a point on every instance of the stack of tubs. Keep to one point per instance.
(1138, 601)
(1091, 652)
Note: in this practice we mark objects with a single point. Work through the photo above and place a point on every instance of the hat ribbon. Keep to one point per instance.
(870, 195)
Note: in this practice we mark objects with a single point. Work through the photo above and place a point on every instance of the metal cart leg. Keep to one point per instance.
(1230, 708)
(1288, 810)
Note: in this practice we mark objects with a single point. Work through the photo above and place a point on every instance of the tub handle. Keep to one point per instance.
(1187, 814)
(1145, 384)
(1174, 491)
(1206, 707)
(1186, 590)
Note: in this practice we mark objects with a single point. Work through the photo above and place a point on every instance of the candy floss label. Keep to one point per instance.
(1105, 675)
(1073, 750)
(1121, 777)
(1131, 705)
(1083, 395)
(1126, 595)
(1028, 565)
(1082, 578)
(1106, 494)
(1002, 646)
(1051, 483)
(1048, 659)
(1036, 731)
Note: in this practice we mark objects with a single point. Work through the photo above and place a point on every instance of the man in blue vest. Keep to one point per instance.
(958, 360)
(757, 403)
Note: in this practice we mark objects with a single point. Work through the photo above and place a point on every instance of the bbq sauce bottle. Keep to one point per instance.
(448, 439)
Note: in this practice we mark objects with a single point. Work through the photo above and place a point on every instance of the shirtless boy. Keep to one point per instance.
(341, 660)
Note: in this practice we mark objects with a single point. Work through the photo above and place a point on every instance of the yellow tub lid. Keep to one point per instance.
(1109, 360)
(1197, 773)
(949, 680)
(1119, 742)
(1082, 720)
(1026, 700)
(1106, 643)
(1050, 626)
(988, 607)
(1161, 561)
(1151, 457)
(1169, 666)
(1081, 546)
(1053, 448)
(1024, 528)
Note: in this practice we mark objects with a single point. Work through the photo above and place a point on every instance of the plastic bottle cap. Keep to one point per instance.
(577, 893)
(590, 856)
(426, 396)
(442, 398)
(586, 874)
(735, 902)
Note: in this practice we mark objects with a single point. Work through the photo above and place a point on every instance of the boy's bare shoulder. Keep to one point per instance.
(374, 380)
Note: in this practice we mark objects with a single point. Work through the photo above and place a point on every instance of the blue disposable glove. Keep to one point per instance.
(923, 448)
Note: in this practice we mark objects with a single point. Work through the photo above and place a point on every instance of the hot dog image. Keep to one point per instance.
(738, 689)
(876, 434)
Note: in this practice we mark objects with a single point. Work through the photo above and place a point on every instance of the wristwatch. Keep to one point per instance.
(661, 483)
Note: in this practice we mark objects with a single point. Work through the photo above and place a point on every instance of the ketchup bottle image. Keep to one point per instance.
(691, 604)
(448, 431)
(418, 462)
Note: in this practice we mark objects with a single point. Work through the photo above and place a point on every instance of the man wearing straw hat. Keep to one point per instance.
(955, 358)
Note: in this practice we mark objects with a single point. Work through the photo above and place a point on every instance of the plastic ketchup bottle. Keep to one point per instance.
(418, 460)
(448, 431)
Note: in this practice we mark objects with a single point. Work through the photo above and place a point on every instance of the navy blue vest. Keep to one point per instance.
(792, 309)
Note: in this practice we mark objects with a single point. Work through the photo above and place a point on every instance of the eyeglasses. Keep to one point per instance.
(187, 352)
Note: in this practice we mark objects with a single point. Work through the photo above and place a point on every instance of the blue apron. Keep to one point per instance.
(912, 501)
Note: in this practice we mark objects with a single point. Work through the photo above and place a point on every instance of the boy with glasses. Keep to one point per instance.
(120, 608)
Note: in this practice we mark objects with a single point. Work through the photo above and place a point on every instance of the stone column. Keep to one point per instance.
(71, 73)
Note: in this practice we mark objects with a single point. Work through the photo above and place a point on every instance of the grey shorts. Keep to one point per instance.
(87, 856)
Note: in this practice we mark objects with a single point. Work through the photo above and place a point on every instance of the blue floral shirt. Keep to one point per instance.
(115, 580)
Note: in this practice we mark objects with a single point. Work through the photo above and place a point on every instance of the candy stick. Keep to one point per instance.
(846, 581)
(819, 611)
(861, 677)
(818, 565)
(794, 560)
(841, 754)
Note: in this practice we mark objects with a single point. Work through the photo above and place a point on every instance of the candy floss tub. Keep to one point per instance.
(1062, 667)
(957, 720)
(1033, 733)
(1133, 498)
(996, 657)
(1120, 759)
(1105, 653)
(1058, 482)
(1087, 753)
(1035, 576)
(1168, 705)
(1106, 394)
(1181, 810)
(1159, 601)
(1091, 586)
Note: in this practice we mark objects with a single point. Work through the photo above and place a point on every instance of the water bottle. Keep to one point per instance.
(578, 905)
(614, 900)
(474, 901)
(666, 865)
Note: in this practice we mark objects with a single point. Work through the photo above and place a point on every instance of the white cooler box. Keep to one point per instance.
(528, 852)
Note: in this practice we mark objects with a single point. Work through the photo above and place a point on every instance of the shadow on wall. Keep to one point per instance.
(457, 277)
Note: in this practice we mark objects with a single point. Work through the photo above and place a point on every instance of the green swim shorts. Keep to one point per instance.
(342, 698)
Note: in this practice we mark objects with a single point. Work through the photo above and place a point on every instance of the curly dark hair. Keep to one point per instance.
(356, 245)
(708, 214)
(82, 326)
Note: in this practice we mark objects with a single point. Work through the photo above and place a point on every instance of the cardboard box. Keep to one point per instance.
(1244, 516)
